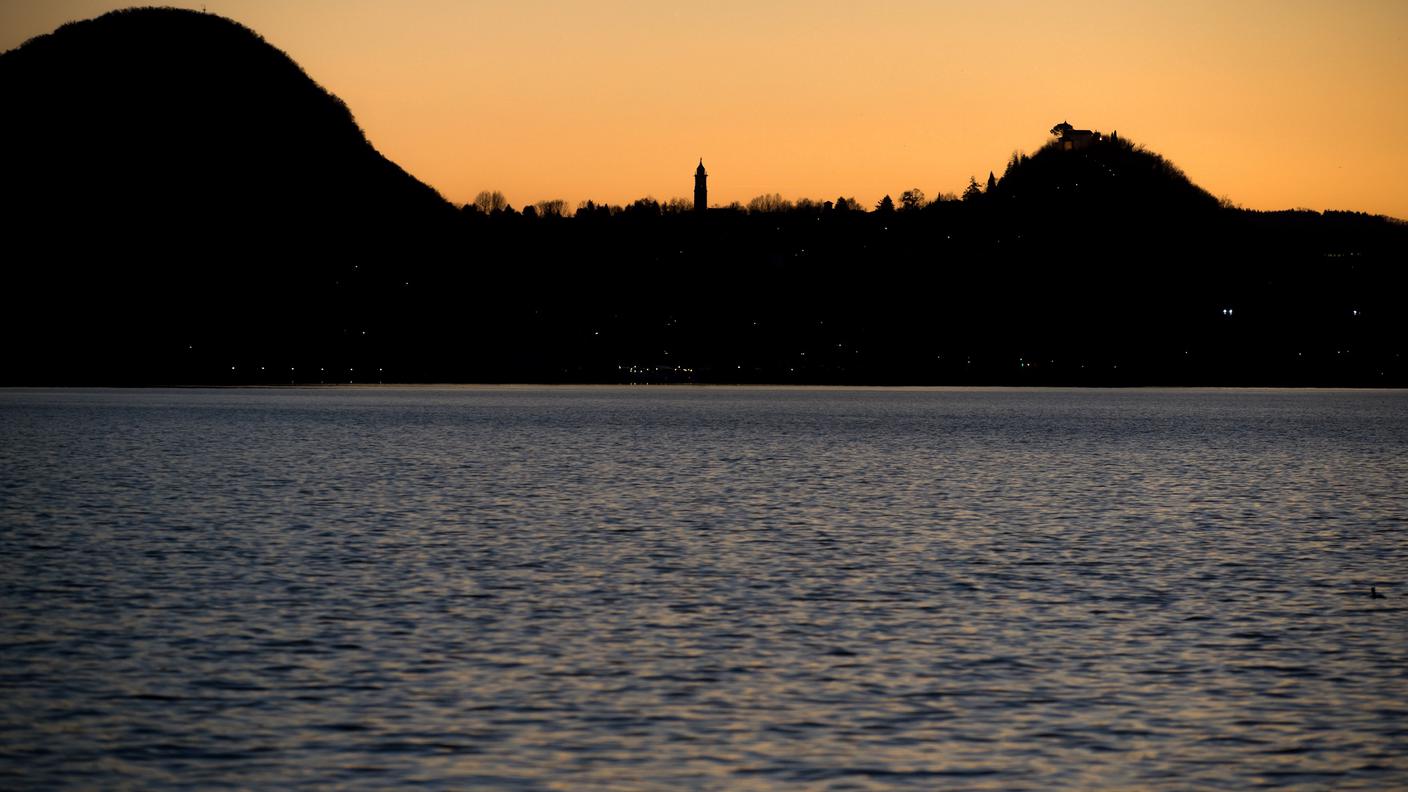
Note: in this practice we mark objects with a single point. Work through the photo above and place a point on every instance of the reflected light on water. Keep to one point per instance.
(703, 588)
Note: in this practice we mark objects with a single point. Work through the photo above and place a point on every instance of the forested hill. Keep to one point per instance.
(1113, 174)
(168, 172)
(183, 205)
(1097, 267)
(151, 121)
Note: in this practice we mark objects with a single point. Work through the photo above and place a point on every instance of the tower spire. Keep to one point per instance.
(701, 188)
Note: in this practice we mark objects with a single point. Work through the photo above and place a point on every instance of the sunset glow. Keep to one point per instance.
(1272, 104)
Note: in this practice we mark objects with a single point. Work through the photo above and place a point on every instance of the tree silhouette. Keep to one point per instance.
(886, 205)
(489, 201)
(1014, 162)
(972, 192)
(912, 199)
(772, 202)
(644, 207)
(555, 207)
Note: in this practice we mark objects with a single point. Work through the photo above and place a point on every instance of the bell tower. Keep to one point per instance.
(701, 190)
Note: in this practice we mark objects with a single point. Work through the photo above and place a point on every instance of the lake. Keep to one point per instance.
(703, 588)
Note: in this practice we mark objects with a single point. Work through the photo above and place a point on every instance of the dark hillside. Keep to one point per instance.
(183, 205)
(167, 169)
(1110, 176)
(160, 117)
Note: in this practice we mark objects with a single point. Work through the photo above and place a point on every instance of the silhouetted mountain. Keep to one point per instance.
(155, 120)
(184, 205)
(1104, 178)
(170, 173)
(1099, 265)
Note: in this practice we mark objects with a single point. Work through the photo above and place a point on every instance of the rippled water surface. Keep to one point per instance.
(673, 588)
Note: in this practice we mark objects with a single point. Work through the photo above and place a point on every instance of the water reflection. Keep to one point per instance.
(703, 588)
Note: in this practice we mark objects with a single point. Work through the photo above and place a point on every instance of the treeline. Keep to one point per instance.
(1104, 266)
(491, 203)
(1158, 176)
(1098, 267)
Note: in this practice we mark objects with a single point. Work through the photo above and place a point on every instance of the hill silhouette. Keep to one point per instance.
(160, 118)
(1104, 265)
(186, 206)
(170, 169)
(1113, 175)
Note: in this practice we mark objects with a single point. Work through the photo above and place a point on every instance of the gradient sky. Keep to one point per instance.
(1271, 103)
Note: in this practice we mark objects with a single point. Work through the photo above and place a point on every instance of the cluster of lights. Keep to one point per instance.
(234, 367)
(656, 369)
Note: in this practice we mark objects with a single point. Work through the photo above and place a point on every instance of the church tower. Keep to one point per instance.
(701, 190)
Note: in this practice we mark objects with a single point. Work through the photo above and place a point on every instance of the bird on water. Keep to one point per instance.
(1374, 593)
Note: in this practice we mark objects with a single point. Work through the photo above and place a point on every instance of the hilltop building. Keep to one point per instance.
(1073, 139)
(701, 190)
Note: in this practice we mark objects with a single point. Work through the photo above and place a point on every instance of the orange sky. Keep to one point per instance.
(1271, 103)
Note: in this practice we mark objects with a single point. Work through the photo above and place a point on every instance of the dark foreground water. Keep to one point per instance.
(674, 588)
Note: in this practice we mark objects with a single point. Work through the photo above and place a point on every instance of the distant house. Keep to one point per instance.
(1073, 139)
